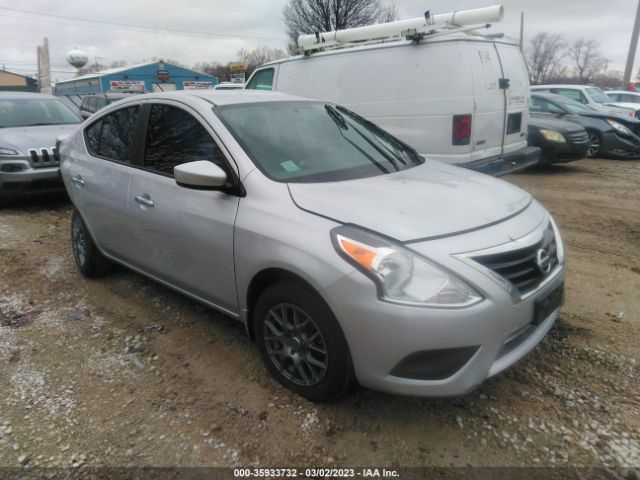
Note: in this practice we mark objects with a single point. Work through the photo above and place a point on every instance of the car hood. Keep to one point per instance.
(614, 110)
(627, 120)
(554, 123)
(43, 136)
(424, 202)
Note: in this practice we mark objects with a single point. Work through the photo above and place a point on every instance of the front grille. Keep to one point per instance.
(578, 137)
(521, 267)
(44, 157)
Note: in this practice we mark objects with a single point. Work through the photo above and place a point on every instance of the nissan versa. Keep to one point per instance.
(346, 255)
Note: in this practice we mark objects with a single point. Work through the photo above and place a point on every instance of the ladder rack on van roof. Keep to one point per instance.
(413, 29)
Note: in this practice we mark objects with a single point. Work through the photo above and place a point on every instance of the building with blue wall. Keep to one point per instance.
(147, 77)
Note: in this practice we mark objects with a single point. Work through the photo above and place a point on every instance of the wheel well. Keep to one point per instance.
(261, 282)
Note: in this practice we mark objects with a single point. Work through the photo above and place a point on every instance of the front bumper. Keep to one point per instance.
(616, 146)
(30, 182)
(504, 164)
(498, 331)
(563, 152)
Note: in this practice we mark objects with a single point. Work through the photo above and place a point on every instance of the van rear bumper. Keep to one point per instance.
(503, 164)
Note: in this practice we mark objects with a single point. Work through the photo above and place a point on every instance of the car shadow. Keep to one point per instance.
(36, 204)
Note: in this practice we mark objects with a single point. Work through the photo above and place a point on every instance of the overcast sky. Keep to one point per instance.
(221, 27)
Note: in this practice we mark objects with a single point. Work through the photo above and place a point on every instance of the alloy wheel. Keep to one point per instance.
(594, 145)
(295, 344)
(79, 241)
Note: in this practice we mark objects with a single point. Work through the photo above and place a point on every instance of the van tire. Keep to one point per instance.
(307, 326)
(89, 260)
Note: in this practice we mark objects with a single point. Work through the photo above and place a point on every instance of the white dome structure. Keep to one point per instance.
(77, 58)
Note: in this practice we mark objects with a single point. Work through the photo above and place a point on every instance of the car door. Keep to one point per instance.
(100, 178)
(183, 236)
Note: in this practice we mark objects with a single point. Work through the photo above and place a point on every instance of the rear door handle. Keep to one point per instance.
(78, 180)
(144, 200)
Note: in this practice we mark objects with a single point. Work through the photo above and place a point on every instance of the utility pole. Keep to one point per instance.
(632, 49)
(521, 32)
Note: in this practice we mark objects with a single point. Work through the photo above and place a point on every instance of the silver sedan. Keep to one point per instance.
(347, 256)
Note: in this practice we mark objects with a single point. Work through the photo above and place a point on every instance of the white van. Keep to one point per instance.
(455, 96)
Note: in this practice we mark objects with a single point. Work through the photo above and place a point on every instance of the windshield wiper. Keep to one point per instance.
(339, 119)
(342, 125)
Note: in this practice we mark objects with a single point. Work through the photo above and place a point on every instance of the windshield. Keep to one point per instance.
(25, 112)
(574, 107)
(314, 142)
(598, 95)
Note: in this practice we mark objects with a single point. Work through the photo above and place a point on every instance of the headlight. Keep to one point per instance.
(7, 151)
(552, 136)
(400, 275)
(618, 127)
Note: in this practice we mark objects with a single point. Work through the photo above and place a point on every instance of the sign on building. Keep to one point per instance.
(126, 86)
(196, 85)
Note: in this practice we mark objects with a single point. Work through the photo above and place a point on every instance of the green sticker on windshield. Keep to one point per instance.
(289, 166)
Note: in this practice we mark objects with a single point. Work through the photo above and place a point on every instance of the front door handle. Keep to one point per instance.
(144, 200)
(78, 181)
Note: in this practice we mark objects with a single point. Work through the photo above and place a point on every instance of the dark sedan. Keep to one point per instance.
(560, 141)
(609, 135)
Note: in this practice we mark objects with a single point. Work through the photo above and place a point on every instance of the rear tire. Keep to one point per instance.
(89, 260)
(301, 342)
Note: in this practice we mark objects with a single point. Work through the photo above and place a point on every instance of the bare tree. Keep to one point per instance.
(587, 59)
(258, 56)
(545, 57)
(311, 16)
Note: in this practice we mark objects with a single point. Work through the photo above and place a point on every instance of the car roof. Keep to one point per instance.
(220, 97)
(557, 98)
(563, 85)
(9, 95)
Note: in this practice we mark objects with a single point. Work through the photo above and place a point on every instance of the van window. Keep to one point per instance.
(262, 80)
(174, 137)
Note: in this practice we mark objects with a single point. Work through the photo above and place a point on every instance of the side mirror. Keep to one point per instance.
(201, 174)
(557, 111)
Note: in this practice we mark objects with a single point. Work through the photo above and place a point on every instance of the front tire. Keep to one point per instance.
(595, 144)
(89, 260)
(301, 342)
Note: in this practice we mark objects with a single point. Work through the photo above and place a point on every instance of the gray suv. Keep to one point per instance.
(29, 126)
(346, 255)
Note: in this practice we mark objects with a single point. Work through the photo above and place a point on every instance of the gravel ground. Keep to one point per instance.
(123, 372)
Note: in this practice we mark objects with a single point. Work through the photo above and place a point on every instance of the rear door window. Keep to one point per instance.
(111, 137)
(262, 80)
(174, 137)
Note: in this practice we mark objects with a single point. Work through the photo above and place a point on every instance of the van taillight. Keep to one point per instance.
(461, 130)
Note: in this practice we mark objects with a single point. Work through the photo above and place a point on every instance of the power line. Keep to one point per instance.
(111, 25)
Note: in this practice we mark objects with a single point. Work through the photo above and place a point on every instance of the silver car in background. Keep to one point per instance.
(29, 126)
(346, 255)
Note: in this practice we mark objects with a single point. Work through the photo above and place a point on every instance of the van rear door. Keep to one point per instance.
(488, 118)
(515, 87)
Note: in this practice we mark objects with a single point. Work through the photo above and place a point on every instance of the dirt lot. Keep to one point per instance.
(121, 371)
